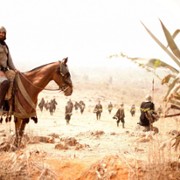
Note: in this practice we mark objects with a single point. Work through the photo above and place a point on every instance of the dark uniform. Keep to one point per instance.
(41, 104)
(110, 107)
(133, 110)
(82, 106)
(120, 115)
(98, 110)
(148, 114)
(145, 107)
(68, 111)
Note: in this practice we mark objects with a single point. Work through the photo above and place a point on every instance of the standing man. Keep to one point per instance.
(82, 106)
(147, 109)
(133, 110)
(41, 104)
(68, 111)
(98, 110)
(110, 107)
(120, 115)
(70, 103)
(6, 67)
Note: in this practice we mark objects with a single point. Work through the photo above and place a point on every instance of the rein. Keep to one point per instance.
(48, 89)
(38, 86)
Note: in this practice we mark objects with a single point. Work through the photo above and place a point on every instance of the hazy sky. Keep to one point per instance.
(87, 31)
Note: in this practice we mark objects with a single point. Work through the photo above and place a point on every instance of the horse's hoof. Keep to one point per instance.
(7, 147)
(6, 120)
(4, 146)
(35, 119)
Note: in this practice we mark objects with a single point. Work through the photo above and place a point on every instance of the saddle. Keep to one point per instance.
(7, 109)
(18, 95)
(11, 76)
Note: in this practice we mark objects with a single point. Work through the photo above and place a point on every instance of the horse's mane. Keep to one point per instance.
(36, 68)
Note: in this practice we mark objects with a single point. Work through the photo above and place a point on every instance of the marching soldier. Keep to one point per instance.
(120, 115)
(110, 107)
(133, 110)
(98, 110)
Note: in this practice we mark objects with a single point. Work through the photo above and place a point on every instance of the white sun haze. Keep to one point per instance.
(86, 31)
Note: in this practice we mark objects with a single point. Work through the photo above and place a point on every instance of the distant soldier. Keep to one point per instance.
(110, 107)
(52, 106)
(133, 110)
(159, 110)
(71, 103)
(98, 110)
(120, 115)
(76, 106)
(41, 104)
(68, 111)
(82, 106)
(54, 102)
(46, 105)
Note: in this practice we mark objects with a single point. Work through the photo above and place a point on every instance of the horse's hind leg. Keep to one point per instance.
(20, 125)
(17, 122)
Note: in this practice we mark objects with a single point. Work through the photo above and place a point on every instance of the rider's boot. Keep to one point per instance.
(4, 86)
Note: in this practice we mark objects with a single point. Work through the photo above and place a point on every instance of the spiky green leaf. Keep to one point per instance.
(177, 31)
(162, 46)
(170, 41)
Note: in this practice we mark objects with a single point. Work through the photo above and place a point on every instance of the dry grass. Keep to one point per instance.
(24, 165)
(88, 149)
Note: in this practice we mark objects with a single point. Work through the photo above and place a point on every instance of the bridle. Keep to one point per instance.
(65, 75)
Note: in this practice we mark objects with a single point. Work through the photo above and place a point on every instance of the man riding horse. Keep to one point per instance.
(7, 69)
(27, 86)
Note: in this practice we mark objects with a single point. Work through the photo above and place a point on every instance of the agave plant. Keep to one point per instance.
(173, 93)
(172, 79)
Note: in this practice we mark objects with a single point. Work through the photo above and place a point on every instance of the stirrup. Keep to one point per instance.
(1, 111)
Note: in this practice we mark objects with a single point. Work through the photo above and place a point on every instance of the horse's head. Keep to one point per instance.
(63, 78)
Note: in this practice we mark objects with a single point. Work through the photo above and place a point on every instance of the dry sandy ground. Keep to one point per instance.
(93, 149)
(90, 149)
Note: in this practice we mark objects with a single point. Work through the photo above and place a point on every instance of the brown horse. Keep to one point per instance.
(28, 85)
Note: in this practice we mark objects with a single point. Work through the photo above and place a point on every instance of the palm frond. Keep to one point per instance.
(170, 41)
(157, 63)
(175, 33)
(162, 46)
(149, 63)
(172, 95)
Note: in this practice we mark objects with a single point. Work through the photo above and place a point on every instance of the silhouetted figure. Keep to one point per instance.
(82, 106)
(98, 110)
(110, 107)
(120, 115)
(159, 110)
(76, 106)
(68, 111)
(133, 110)
(52, 106)
(41, 104)
(148, 115)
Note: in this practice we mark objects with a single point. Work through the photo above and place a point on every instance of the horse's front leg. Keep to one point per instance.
(20, 125)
